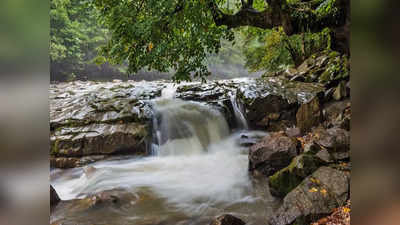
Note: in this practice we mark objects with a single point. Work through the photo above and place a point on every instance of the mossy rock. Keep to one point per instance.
(285, 180)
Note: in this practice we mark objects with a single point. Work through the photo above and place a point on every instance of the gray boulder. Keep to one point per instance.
(272, 153)
(314, 198)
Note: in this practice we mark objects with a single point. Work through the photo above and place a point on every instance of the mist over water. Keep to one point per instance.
(197, 167)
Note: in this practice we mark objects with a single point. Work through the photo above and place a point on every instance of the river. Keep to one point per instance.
(197, 170)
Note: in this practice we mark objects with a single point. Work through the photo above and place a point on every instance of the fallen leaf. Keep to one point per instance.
(346, 209)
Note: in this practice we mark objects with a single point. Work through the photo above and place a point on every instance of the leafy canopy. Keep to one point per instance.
(161, 35)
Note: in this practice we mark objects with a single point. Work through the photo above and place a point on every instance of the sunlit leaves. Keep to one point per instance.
(275, 50)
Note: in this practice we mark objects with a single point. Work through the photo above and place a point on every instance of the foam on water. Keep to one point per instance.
(197, 164)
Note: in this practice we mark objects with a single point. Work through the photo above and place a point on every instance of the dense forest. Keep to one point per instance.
(186, 39)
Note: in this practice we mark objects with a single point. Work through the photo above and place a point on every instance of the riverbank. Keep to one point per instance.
(299, 170)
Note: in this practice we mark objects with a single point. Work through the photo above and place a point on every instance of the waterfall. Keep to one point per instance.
(197, 165)
(183, 127)
(238, 113)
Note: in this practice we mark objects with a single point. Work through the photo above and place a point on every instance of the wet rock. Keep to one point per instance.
(333, 139)
(54, 199)
(218, 94)
(272, 153)
(90, 118)
(101, 199)
(82, 103)
(72, 162)
(265, 98)
(285, 180)
(308, 115)
(227, 219)
(99, 139)
(314, 198)
(63, 162)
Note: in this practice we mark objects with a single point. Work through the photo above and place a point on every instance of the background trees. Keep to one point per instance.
(186, 37)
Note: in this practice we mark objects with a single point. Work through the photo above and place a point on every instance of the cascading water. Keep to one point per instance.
(238, 112)
(197, 169)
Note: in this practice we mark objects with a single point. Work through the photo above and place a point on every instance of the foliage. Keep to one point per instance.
(273, 50)
(180, 36)
(74, 32)
(161, 35)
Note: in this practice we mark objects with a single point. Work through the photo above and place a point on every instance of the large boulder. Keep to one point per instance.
(90, 118)
(285, 180)
(272, 102)
(272, 153)
(227, 219)
(309, 115)
(314, 198)
(99, 139)
(334, 139)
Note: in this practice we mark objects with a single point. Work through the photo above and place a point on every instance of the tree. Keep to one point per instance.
(74, 35)
(178, 34)
(274, 51)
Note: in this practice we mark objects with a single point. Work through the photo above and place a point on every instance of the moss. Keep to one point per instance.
(285, 180)
(54, 148)
(324, 76)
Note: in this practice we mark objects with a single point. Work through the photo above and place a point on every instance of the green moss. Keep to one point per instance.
(54, 148)
(285, 180)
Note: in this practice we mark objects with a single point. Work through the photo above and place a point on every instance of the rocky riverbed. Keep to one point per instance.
(274, 150)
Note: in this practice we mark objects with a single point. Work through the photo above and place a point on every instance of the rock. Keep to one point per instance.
(218, 94)
(340, 91)
(334, 139)
(100, 199)
(337, 114)
(314, 198)
(266, 98)
(272, 153)
(293, 132)
(64, 162)
(324, 156)
(308, 115)
(285, 180)
(72, 162)
(227, 219)
(89, 118)
(311, 147)
(341, 156)
(99, 139)
(54, 199)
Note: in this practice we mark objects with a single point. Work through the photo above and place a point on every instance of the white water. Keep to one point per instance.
(240, 119)
(197, 165)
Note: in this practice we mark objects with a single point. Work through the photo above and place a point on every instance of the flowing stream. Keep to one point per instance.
(197, 170)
